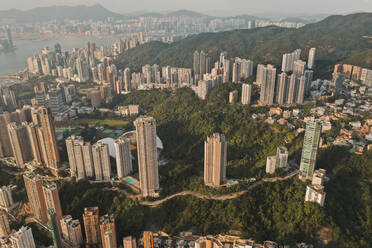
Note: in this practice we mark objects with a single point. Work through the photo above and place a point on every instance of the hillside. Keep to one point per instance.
(363, 59)
(336, 38)
(81, 12)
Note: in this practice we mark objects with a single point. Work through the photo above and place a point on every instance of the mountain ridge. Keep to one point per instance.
(336, 38)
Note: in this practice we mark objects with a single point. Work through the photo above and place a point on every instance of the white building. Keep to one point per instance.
(23, 238)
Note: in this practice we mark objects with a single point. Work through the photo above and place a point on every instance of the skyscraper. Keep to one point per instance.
(5, 146)
(196, 65)
(71, 231)
(91, 226)
(246, 94)
(52, 201)
(310, 149)
(35, 194)
(202, 64)
(101, 161)
(147, 155)
(49, 132)
(23, 238)
(20, 143)
(311, 59)
(53, 224)
(4, 224)
(35, 142)
(108, 231)
(6, 198)
(56, 102)
(299, 67)
(266, 77)
(282, 88)
(215, 160)
(292, 89)
(338, 81)
(308, 79)
(129, 242)
(127, 81)
(301, 90)
(148, 240)
(123, 157)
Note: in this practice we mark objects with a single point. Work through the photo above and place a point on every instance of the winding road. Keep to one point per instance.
(202, 196)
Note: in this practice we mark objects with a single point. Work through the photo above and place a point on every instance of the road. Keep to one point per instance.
(202, 196)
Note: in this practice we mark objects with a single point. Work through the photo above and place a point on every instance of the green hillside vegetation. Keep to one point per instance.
(271, 211)
(336, 38)
(363, 59)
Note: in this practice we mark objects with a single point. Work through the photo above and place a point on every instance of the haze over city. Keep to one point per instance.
(232, 7)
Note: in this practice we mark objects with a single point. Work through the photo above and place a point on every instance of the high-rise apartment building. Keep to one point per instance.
(129, 242)
(20, 143)
(215, 160)
(35, 142)
(299, 67)
(6, 198)
(266, 76)
(23, 238)
(148, 240)
(53, 224)
(35, 194)
(338, 81)
(196, 66)
(277, 161)
(91, 226)
(246, 94)
(5, 146)
(108, 231)
(71, 231)
(101, 161)
(147, 155)
(289, 59)
(308, 79)
(47, 123)
(233, 96)
(311, 59)
(315, 193)
(310, 149)
(123, 157)
(4, 224)
(271, 163)
(52, 201)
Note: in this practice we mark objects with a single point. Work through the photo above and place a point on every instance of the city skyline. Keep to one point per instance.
(224, 8)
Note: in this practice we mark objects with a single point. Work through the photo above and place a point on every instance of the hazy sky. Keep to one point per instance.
(209, 6)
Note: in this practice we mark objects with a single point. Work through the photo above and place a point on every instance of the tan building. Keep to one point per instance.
(101, 161)
(47, 124)
(35, 194)
(4, 224)
(91, 226)
(23, 238)
(147, 155)
(6, 198)
(148, 240)
(35, 142)
(20, 143)
(215, 160)
(71, 231)
(108, 231)
(5, 146)
(95, 98)
(129, 242)
(246, 94)
(233, 96)
(52, 201)
(123, 157)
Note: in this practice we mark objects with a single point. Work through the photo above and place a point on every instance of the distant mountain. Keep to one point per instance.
(81, 12)
(336, 38)
(188, 13)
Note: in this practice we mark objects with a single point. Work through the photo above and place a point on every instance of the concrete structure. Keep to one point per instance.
(36, 142)
(108, 231)
(315, 193)
(91, 226)
(101, 161)
(147, 155)
(47, 123)
(318, 177)
(148, 240)
(6, 198)
(271, 162)
(23, 238)
(266, 76)
(282, 157)
(4, 224)
(129, 242)
(246, 94)
(35, 194)
(5, 146)
(233, 96)
(52, 201)
(311, 58)
(53, 224)
(208, 242)
(20, 144)
(123, 157)
(310, 149)
(215, 160)
(71, 231)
